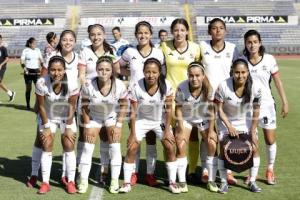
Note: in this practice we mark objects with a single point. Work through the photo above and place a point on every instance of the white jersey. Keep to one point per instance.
(71, 67)
(134, 58)
(103, 107)
(32, 58)
(88, 60)
(149, 107)
(240, 116)
(194, 109)
(56, 105)
(262, 74)
(217, 64)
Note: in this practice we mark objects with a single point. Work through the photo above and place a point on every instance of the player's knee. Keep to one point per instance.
(68, 142)
(181, 145)
(47, 143)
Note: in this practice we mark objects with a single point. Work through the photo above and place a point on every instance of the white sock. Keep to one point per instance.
(137, 160)
(46, 162)
(254, 169)
(203, 155)
(79, 151)
(181, 169)
(271, 155)
(128, 170)
(222, 171)
(116, 160)
(35, 160)
(151, 155)
(9, 93)
(86, 161)
(64, 164)
(212, 166)
(172, 170)
(70, 165)
(104, 156)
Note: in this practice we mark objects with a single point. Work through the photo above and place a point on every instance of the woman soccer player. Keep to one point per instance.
(263, 69)
(179, 53)
(194, 108)
(217, 57)
(31, 61)
(104, 103)
(151, 110)
(135, 58)
(238, 100)
(56, 98)
(87, 70)
(65, 48)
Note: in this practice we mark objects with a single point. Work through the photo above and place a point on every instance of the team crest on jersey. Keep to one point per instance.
(264, 67)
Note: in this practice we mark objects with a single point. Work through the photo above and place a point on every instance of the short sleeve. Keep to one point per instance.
(4, 53)
(23, 55)
(274, 65)
(179, 96)
(219, 95)
(73, 87)
(132, 93)
(41, 88)
(82, 58)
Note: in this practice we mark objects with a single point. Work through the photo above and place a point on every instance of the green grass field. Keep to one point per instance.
(17, 133)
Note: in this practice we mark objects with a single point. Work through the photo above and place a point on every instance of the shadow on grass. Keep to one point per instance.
(16, 106)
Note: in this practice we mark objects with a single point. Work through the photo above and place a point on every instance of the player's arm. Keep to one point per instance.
(224, 118)
(6, 58)
(281, 92)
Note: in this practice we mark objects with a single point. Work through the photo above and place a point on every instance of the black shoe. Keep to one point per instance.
(12, 97)
(193, 178)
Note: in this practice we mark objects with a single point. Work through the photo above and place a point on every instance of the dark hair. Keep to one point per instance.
(148, 25)
(59, 47)
(161, 80)
(64, 82)
(214, 20)
(29, 41)
(106, 46)
(249, 33)
(50, 36)
(180, 21)
(112, 77)
(161, 31)
(116, 28)
(206, 89)
(248, 85)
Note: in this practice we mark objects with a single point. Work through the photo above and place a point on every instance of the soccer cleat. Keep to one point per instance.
(12, 97)
(45, 187)
(71, 189)
(151, 180)
(230, 179)
(223, 188)
(134, 179)
(126, 187)
(64, 180)
(270, 177)
(103, 180)
(114, 186)
(212, 186)
(32, 181)
(253, 187)
(83, 186)
(183, 187)
(174, 188)
(204, 177)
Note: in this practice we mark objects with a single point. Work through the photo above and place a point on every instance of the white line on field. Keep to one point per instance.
(97, 192)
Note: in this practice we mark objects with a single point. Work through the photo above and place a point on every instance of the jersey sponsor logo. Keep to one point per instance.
(253, 71)
(90, 59)
(206, 53)
(264, 68)
(133, 58)
(171, 54)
